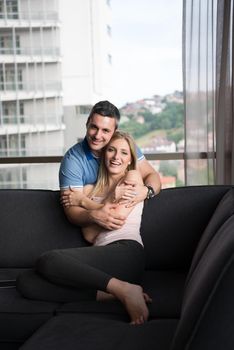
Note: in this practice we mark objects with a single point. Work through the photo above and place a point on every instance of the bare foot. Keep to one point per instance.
(132, 296)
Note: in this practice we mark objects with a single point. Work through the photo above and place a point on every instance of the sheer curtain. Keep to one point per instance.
(207, 76)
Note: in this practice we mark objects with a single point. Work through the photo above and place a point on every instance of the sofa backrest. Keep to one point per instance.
(173, 223)
(31, 222)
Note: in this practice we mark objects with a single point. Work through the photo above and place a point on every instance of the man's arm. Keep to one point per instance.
(150, 177)
(104, 216)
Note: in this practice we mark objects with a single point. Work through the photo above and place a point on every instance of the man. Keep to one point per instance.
(81, 163)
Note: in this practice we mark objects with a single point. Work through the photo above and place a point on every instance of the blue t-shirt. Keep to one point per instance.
(79, 166)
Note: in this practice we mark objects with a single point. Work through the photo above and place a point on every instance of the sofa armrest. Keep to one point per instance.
(208, 307)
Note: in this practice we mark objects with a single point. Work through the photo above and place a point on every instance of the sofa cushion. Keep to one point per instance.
(20, 317)
(223, 211)
(173, 223)
(84, 331)
(31, 285)
(10, 345)
(213, 273)
(164, 287)
(8, 276)
(32, 222)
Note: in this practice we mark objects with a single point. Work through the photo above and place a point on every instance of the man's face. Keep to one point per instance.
(99, 132)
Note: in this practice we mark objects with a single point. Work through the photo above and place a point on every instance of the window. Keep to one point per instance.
(1, 9)
(83, 110)
(10, 112)
(16, 144)
(10, 79)
(12, 9)
(7, 45)
(147, 93)
(20, 79)
(3, 146)
(147, 75)
(21, 108)
(1, 78)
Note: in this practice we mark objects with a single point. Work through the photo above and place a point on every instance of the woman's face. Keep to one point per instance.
(117, 156)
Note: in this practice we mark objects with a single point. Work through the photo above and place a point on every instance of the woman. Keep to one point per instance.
(113, 265)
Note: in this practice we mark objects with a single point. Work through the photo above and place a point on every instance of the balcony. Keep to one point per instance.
(6, 120)
(26, 19)
(27, 90)
(29, 54)
(25, 124)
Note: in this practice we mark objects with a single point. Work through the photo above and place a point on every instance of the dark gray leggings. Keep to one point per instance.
(92, 267)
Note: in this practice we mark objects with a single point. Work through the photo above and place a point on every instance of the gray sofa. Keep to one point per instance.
(188, 234)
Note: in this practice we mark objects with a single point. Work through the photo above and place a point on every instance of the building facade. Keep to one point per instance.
(30, 84)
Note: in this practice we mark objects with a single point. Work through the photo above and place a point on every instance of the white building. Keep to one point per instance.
(30, 78)
(30, 83)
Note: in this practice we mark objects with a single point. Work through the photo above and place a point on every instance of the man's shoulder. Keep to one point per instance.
(76, 151)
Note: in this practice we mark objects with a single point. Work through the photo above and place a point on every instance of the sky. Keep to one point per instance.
(146, 48)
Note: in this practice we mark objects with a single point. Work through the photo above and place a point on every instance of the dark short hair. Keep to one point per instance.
(106, 109)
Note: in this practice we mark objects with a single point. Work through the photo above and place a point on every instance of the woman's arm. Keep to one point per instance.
(80, 199)
(74, 197)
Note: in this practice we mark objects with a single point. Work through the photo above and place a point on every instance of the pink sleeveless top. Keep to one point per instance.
(130, 230)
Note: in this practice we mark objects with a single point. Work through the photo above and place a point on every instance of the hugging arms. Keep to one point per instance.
(118, 198)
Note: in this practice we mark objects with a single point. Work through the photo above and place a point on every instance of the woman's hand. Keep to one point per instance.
(130, 193)
(71, 197)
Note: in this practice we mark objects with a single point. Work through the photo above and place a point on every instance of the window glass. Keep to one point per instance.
(147, 70)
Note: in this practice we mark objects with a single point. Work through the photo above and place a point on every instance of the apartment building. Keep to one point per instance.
(30, 83)
(55, 62)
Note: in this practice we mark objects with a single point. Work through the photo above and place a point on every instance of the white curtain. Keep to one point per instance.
(207, 76)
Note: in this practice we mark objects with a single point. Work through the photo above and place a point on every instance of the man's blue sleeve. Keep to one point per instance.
(140, 155)
(70, 172)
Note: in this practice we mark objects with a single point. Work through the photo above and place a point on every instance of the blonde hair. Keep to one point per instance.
(102, 179)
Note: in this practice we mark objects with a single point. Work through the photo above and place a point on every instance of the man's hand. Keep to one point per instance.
(107, 218)
(124, 193)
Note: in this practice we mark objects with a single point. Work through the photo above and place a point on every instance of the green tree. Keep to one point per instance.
(135, 129)
(171, 117)
(168, 169)
(175, 135)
